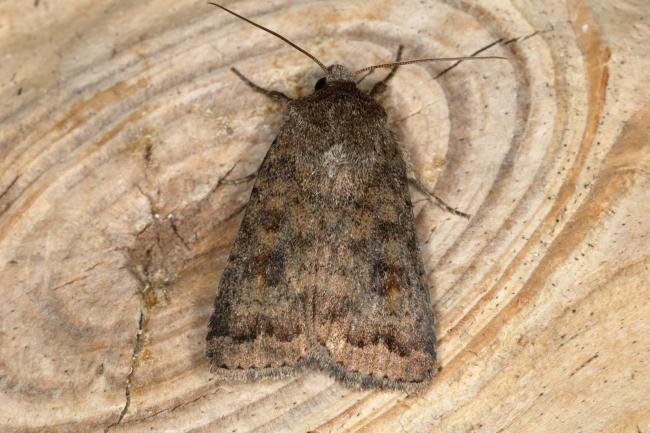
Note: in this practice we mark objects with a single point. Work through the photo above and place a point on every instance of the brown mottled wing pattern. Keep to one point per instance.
(369, 321)
(326, 267)
(258, 324)
(371, 317)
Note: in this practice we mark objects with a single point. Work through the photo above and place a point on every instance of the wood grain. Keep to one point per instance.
(123, 134)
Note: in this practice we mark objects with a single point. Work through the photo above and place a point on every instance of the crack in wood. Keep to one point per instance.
(179, 405)
(137, 347)
(67, 283)
(172, 223)
(6, 190)
(12, 183)
(584, 364)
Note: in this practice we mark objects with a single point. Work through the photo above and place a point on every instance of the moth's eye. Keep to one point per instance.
(321, 83)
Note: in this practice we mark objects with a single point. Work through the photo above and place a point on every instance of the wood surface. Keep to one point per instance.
(123, 134)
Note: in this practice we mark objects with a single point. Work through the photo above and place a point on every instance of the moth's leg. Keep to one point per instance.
(365, 76)
(381, 86)
(273, 94)
(239, 180)
(417, 183)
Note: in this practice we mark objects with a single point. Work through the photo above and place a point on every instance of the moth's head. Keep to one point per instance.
(335, 72)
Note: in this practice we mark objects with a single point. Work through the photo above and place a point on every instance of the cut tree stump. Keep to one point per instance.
(122, 135)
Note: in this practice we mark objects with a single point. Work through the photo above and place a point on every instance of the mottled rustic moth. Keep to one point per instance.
(325, 270)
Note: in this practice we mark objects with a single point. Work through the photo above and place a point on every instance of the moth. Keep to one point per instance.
(325, 270)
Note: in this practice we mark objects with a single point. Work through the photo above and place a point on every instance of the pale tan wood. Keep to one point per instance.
(121, 127)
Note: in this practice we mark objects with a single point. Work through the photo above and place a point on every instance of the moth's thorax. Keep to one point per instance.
(338, 72)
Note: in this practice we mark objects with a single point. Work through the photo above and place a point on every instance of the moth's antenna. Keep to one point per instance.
(438, 59)
(318, 62)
